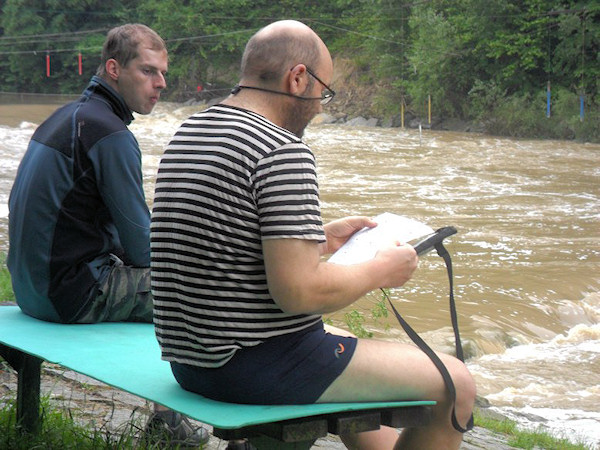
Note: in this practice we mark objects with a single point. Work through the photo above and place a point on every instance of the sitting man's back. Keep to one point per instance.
(79, 225)
(237, 271)
(77, 208)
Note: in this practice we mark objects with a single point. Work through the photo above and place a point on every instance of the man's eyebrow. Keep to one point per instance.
(154, 68)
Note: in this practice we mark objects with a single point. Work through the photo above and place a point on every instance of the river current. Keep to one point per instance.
(526, 256)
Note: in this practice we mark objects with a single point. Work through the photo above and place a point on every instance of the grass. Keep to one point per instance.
(60, 431)
(525, 439)
(6, 292)
(64, 429)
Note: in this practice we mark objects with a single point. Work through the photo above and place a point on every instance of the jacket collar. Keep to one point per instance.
(100, 87)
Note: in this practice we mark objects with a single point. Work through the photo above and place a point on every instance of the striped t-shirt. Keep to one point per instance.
(229, 179)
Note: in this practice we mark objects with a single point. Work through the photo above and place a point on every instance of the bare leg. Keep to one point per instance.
(382, 439)
(338, 331)
(383, 371)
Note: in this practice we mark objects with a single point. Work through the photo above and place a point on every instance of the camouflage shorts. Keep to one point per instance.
(123, 297)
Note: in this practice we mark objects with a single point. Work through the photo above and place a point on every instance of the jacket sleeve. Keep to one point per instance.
(117, 164)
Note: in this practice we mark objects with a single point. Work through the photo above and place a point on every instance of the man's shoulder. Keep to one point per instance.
(243, 123)
(56, 131)
(95, 120)
(98, 113)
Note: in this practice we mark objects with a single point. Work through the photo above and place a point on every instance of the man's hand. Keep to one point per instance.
(339, 231)
(404, 261)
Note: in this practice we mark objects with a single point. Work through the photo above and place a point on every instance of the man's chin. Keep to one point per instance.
(297, 131)
(145, 111)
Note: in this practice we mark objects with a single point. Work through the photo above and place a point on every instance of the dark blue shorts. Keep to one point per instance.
(291, 369)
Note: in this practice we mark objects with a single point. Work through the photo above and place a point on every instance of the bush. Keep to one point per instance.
(524, 115)
(565, 106)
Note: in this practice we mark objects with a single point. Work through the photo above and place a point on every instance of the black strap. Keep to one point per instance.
(441, 250)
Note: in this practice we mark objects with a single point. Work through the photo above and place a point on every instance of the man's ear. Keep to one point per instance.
(297, 79)
(113, 69)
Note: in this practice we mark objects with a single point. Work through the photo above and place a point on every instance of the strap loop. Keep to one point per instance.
(441, 250)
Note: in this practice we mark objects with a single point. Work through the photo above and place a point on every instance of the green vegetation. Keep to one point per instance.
(6, 292)
(355, 319)
(60, 430)
(482, 61)
(525, 439)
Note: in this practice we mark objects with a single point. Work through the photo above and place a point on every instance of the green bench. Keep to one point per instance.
(126, 356)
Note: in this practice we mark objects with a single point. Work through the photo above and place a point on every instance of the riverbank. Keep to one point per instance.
(359, 102)
(353, 107)
(349, 114)
(113, 411)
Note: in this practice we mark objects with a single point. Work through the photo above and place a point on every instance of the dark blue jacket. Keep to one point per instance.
(77, 198)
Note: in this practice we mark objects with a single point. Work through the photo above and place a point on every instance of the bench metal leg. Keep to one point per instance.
(29, 369)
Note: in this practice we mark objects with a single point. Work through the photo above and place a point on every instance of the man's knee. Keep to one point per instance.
(466, 390)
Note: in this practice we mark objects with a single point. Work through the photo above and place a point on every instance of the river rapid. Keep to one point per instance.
(526, 257)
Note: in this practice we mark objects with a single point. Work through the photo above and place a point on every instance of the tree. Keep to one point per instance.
(473, 57)
(54, 32)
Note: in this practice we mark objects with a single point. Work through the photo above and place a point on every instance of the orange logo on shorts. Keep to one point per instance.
(339, 350)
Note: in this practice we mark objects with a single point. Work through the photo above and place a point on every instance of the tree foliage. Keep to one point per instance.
(468, 56)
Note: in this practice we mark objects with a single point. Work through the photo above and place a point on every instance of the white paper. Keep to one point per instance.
(364, 244)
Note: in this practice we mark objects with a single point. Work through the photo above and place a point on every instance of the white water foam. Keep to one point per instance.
(541, 393)
(579, 427)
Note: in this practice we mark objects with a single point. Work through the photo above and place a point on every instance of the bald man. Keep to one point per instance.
(238, 278)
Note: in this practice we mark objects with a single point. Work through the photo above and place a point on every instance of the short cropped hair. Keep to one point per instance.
(267, 59)
(122, 44)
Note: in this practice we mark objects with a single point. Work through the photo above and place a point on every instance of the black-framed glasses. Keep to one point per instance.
(328, 94)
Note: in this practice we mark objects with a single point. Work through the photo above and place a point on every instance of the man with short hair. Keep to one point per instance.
(238, 278)
(79, 225)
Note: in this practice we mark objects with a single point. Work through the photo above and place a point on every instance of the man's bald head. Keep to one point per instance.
(276, 48)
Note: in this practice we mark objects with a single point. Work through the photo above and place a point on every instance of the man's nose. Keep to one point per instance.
(160, 82)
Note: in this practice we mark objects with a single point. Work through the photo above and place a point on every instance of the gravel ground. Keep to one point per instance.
(113, 409)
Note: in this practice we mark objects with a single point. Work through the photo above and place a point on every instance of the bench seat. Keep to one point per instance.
(127, 356)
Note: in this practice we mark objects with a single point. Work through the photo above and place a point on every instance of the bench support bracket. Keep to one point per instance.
(301, 434)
